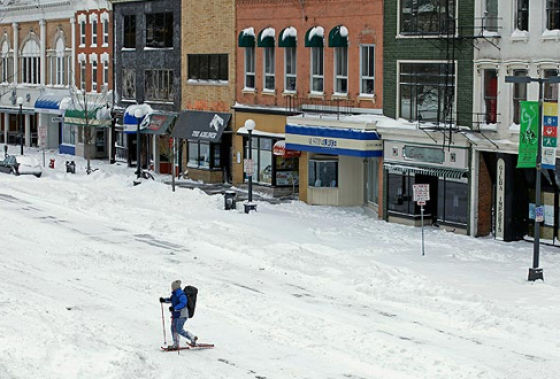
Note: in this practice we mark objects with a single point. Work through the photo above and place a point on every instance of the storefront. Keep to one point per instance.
(340, 160)
(84, 133)
(205, 145)
(51, 130)
(276, 166)
(446, 170)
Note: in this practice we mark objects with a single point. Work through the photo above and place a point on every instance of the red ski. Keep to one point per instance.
(199, 346)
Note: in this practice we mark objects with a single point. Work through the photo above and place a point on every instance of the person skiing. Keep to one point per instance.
(179, 314)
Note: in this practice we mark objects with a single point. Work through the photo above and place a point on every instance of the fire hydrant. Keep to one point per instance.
(51, 163)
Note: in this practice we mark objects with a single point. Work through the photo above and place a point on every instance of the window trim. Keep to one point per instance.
(94, 72)
(94, 32)
(83, 33)
(335, 72)
(294, 65)
(249, 73)
(273, 65)
(313, 76)
(517, 14)
(362, 78)
(398, 91)
(547, 18)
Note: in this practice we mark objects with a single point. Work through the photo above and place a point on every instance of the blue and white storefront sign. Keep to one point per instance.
(335, 141)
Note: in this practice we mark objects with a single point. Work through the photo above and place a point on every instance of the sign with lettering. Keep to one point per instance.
(421, 192)
(550, 135)
(249, 167)
(500, 198)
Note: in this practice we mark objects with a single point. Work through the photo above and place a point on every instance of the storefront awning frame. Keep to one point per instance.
(423, 170)
(93, 118)
(201, 125)
(287, 37)
(246, 38)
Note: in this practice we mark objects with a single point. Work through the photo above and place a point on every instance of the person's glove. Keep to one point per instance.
(161, 300)
(171, 309)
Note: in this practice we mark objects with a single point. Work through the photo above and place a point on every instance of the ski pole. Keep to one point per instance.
(163, 323)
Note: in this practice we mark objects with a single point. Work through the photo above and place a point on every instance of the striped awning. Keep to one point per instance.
(97, 117)
(432, 171)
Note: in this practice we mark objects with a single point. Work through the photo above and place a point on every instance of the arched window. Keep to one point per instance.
(6, 68)
(59, 63)
(30, 62)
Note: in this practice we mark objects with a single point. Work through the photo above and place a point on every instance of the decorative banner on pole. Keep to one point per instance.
(528, 142)
(550, 135)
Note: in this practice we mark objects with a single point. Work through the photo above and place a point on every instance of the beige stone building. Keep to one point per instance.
(203, 128)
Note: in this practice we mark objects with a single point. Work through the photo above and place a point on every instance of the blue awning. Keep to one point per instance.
(49, 102)
(334, 140)
(130, 122)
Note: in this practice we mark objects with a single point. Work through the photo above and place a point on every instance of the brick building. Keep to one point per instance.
(312, 59)
(428, 78)
(208, 89)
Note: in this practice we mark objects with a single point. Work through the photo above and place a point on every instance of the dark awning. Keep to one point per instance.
(287, 37)
(338, 37)
(246, 38)
(314, 37)
(199, 125)
(157, 123)
(266, 38)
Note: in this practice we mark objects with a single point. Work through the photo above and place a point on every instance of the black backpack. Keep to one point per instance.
(191, 293)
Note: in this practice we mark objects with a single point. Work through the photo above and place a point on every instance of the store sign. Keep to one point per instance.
(500, 199)
(279, 149)
(550, 135)
(423, 154)
(528, 135)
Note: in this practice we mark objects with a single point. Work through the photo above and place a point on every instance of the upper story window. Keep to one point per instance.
(93, 21)
(59, 64)
(208, 66)
(522, 15)
(491, 16)
(424, 90)
(6, 68)
(290, 69)
(341, 70)
(250, 68)
(94, 73)
(367, 69)
(83, 75)
(128, 84)
(83, 33)
(317, 73)
(159, 85)
(490, 96)
(426, 16)
(552, 14)
(31, 62)
(159, 30)
(519, 95)
(550, 89)
(129, 31)
(105, 23)
(269, 69)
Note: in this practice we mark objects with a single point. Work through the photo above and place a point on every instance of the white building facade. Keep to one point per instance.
(522, 39)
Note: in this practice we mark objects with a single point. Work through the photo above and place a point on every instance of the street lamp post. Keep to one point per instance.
(138, 114)
(20, 126)
(536, 272)
(249, 205)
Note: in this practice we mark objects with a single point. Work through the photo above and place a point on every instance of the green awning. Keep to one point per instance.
(266, 38)
(432, 171)
(246, 38)
(338, 37)
(287, 37)
(95, 118)
(314, 37)
(157, 123)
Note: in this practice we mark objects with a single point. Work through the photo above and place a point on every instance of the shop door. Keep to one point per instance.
(430, 209)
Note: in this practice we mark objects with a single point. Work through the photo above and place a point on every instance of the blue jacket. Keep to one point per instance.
(178, 300)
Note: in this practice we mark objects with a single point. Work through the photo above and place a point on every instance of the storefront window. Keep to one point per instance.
(453, 201)
(323, 173)
(270, 169)
(372, 182)
(68, 134)
(204, 155)
(265, 161)
(287, 171)
(399, 198)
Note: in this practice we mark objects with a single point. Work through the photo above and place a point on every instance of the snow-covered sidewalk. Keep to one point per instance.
(291, 291)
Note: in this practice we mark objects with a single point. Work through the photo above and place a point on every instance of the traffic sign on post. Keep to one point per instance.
(421, 192)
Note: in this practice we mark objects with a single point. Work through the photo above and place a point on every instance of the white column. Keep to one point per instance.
(27, 130)
(16, 51)
(73, 57)
(6, 127)
(43, 35)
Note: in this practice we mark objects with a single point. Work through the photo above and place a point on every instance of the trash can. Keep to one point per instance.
(71, 167)
(229, 200)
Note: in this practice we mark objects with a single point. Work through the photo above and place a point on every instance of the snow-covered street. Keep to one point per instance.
(291, 291)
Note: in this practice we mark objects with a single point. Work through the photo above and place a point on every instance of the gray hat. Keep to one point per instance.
(175, 284)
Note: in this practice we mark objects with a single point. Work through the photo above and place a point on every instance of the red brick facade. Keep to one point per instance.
(364, 21)
(102, 49)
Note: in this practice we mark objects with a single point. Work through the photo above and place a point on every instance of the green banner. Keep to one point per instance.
(528, 146)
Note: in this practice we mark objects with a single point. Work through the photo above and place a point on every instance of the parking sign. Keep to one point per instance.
(421, 192)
